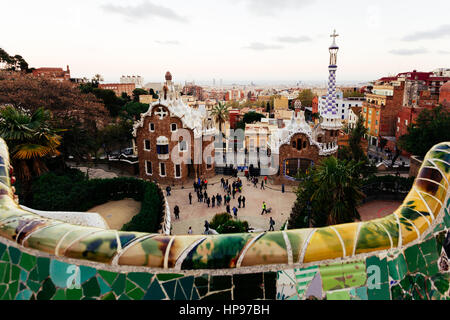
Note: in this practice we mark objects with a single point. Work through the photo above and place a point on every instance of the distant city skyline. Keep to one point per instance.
(239, 41)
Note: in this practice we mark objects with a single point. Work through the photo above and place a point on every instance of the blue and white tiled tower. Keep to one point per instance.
(331, 117)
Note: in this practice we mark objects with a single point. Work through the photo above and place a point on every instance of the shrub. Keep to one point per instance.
(71, 191)
(224, 224)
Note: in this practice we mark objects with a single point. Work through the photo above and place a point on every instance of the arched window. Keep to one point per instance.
(162, 147)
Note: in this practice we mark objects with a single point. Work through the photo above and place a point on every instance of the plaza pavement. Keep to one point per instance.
(195, 215)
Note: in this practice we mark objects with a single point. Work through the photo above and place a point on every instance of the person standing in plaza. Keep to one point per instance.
(240, 201)
(235, 212)
(190, 198)
(213, 201)
(264, 208)
(205, 195)
(272, 223)
(243, 202)
(265, 180)
(206, 227)
(228, 209)
(262, 185)
(190, 231)
(208, 202)
(168, 189)
(176, 212)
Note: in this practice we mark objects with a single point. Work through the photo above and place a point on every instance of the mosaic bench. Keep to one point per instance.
(402, 256)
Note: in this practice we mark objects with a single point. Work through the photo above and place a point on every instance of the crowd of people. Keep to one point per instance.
(231, 190)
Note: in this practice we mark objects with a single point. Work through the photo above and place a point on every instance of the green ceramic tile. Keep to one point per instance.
(332, 277)
(47, 291)
(154, 292)
(439, 227)
(381, 293)
(74, 294)
(397, 293)
(136, 294)
(124, 297)
(33, 285)
(361, 293)
(3, 288)
(91, 288)
(14, 254)
(432, 269)
(2, 249)
(180, 294)
(104, 288)
(141, 279)
(118, 286)
(187, 283)
(402, 266)
(167, 277)
(43, 268)
(377, 271)
(24, 295)
(14, 288)
(60, 295)
(6, 273)
(393, 269)
(15, 272)
(87, 273)
(441, 282)
(354, 274)
(447, 218)
(5, 256)
(414, 259)
(27, 262)
(129, 286)
(33, 275)
(195, 295)
(109, 277)
(23, 276)
(109, 296)
(169, 287)
(338, 295)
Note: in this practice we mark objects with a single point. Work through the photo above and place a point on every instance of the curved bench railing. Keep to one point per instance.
(416, 218)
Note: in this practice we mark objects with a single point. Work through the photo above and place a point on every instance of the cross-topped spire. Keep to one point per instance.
(334, 35)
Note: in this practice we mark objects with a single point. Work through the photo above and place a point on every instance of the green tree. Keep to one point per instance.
(221, 113)
(224, 224)
(30, 139)
(116, 136)
(137, 93)
(134, 110)
(153, 94)
(432, 127)
(328, 194)
(306, 97)
(252, 117)
(112, 103)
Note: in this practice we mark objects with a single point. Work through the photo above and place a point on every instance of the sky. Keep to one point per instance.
(234, 40)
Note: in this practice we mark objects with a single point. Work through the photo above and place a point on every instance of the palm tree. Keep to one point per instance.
(328, 194)
(30, 139)
(221, 113)
(338, 190)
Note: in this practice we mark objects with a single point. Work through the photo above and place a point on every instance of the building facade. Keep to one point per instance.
(137, 80)
(119, 88)
(56, 74)
(167, 153)
(343, 105)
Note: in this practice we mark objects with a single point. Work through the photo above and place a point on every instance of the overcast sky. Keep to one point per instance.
(236, 40)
